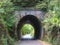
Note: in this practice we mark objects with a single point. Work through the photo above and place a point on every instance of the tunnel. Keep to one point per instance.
(34, 21)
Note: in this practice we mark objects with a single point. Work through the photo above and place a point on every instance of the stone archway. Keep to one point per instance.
(34, 21)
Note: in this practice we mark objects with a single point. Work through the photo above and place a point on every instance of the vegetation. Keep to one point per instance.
(51, 19)
(27, 29)
(6, 18)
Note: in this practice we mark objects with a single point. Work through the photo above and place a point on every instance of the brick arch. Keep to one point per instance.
(34, 21)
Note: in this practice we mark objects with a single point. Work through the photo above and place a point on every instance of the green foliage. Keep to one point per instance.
(7, 16)
(26, 3)
(38, 4)
(54, 42)
(4, 40)
(6, 9)
(11, 41)
(26, 29)
(52, 19)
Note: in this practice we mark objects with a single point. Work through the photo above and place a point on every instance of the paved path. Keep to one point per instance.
(29, 42)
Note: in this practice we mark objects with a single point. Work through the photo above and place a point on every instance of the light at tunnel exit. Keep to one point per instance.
(27, 31)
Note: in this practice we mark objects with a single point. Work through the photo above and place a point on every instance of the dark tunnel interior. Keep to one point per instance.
(33, 21)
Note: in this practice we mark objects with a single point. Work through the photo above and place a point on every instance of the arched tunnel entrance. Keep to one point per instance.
(34, 21)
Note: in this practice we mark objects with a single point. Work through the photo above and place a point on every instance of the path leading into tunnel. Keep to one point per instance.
(32, 42)
(29, 42)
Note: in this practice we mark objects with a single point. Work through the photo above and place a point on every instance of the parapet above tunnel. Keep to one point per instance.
(37, 13)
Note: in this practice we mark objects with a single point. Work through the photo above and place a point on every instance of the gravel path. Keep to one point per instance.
(29, 42)
(32, 42)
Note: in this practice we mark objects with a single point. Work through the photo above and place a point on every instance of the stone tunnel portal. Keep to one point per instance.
(34, 21)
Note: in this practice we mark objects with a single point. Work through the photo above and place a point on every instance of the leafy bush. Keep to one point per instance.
(4, 40)
(6, 12)
(52, 18)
